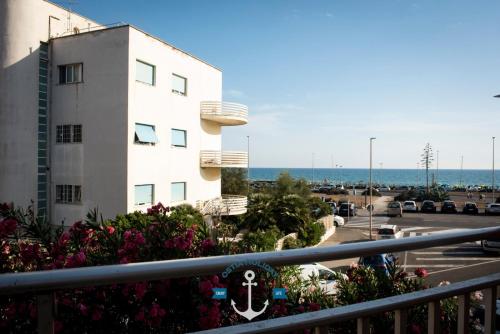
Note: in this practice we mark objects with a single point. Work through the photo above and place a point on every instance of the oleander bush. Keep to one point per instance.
(176, 305)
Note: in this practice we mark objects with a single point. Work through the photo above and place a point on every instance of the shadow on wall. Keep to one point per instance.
(210, 174)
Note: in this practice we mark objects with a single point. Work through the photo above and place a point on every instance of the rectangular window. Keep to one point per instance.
(179, 138)
(179, 84)
(66, 193)
(145, 134)
(71, 73)
(145, 72)
(144, 194)
(59, 134)
(77, 133)
(178, 190)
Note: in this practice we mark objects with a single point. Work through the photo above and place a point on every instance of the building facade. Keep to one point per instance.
(107, 117)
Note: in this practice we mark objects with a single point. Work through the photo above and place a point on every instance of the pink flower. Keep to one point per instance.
(314, 307)
(7, 227)
(207, 244)
(206, 288)
(421, 272)
(97, 315)
(139, 316)
(110, 229)
(140, 290)
(82, 308)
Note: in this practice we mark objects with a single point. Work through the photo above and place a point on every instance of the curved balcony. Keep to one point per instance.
(225, 113)
(233, 205)
(227, 205)
(217, 159)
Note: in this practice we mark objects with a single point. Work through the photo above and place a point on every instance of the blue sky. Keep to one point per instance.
(323, 76)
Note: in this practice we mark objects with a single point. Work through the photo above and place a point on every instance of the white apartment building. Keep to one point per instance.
(108, 117)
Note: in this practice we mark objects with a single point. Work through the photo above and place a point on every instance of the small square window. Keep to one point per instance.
(59, 194)
(179, 84)
(178, 191)
(71, 73)
(145, 134)
(144, 194)
(145, 73)
(179, 138)
(77, 133)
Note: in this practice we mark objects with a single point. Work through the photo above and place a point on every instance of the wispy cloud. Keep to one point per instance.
(277, 107)
(328, 14)
(234, 93)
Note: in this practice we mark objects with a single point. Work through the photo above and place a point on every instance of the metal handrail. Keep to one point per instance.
(211, 158)
(360, 310)
(52, 280)
(227, 109)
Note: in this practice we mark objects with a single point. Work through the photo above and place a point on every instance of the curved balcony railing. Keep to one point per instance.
(227, 205)
(226, 113)
(236, 159)
(234, 205)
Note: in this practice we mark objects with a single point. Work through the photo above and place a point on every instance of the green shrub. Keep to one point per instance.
(260, 240)
(435, 194)
(311, 234)
(318, 208)
(291, 243)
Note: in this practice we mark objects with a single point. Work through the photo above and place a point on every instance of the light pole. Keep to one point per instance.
(248, 165)
(493, 172)
(437, 169)
(370, 185)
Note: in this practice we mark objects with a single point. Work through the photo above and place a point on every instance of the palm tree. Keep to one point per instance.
(427, 158)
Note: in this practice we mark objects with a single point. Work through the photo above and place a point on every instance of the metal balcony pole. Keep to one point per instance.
(490, 296)
(463, 313)
(400, 321)
(45, 304)
(433, 317)
(363, 326)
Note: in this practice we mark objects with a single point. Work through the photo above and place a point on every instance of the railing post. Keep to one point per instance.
(363, 326)
(433, 317)
(400, 321)
(321, 330)
(45, 304)
(463, 313)
(490, 305)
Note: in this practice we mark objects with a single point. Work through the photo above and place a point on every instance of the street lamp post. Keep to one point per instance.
(370, 185)
(493, 172)
(248, 165)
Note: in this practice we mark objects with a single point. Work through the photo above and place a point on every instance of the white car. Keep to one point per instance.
(325, 275)
(394, 209)
(385, 189)
(492, 209)
(410, 206)
(338, 221)
(389, 232)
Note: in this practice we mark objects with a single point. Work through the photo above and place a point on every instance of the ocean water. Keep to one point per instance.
(381, 176)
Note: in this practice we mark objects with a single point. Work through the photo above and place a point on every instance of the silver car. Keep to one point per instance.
(492, 209)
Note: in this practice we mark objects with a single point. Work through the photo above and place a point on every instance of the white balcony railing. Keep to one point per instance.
(217, 159)
(225, 113)
(227, 205)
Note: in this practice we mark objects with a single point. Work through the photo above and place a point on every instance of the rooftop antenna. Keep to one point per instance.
(68, 4)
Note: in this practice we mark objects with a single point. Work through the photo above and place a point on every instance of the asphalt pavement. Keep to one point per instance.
(447, 263)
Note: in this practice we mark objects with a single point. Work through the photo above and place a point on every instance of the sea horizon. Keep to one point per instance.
(387, 176)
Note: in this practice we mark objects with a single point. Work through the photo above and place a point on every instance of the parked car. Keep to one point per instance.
(380, 262)
(384, 188)
(333, 205)
(325, 276)
(470, 208)
(338, 221)
(492, 209)
(410, 206)
(347, 209)
(491, 245)
(394, 209)
(449, 207)
(428, 206)
(389, 232)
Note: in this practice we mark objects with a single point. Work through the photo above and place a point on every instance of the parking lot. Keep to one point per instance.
(446, 263)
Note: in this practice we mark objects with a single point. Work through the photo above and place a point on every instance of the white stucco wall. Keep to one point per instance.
(99, 104)
(23, 24)
(157, 105)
